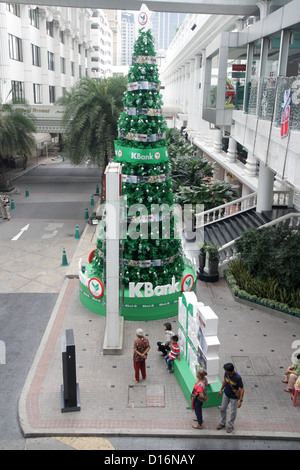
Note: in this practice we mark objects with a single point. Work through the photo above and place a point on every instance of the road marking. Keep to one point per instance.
(86, 443)
(21, 232)
(51, 227)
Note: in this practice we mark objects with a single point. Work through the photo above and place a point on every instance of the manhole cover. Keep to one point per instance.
(137, 396)
(142, 396)
(256, 365)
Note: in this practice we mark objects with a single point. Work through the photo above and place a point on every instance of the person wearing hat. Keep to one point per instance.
(141, 347)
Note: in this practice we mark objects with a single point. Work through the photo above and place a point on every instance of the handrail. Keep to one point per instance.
(226, 210)
(280, 198)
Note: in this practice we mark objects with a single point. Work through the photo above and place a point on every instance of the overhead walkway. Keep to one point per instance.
(217, 7)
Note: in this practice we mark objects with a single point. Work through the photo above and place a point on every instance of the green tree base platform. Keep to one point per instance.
(187, 381)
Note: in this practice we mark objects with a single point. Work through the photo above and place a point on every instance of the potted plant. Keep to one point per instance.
(213, 258)
(202, 255)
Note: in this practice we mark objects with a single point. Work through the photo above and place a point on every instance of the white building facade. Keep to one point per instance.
(45, 50)
(233, 84)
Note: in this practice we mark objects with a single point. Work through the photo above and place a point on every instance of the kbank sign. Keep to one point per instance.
(146, 289)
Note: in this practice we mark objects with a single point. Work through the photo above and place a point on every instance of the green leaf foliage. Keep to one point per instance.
(92, 109)
(192, 175)
(269, 264)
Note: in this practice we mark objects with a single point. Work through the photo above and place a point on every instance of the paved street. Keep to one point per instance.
(114, 412)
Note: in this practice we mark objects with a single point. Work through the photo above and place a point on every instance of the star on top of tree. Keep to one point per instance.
(143, 18)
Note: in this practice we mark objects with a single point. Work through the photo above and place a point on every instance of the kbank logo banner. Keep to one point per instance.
(146, 289)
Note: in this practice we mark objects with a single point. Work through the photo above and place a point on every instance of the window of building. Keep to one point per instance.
(236, 75)
(36, 55)
(50, 28)
(73, 44)
(14, 8)
(37, 93)
(51, 65)
(212, 96)
(62, 37)
(15, 48)
(34, 17)
(63, 65)
(18, 91)
(79, 71)
(51, 94)
(72, 69)
(293, 65)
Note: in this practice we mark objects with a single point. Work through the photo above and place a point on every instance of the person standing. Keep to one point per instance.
(5, 206)
(233, 394)
(141, 346)
(199, 396)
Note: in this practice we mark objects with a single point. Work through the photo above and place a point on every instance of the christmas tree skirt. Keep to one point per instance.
(139, 301)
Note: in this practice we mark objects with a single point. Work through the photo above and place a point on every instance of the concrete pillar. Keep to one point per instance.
(44, 57)
(113, 340)
(265, 189)
(5, 83)
(231, 152)
(250, 167)
(284, 52)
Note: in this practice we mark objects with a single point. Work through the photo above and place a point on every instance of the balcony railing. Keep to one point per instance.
(265, 98)
(280, 198)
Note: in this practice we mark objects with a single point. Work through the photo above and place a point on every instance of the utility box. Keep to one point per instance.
(70, 400)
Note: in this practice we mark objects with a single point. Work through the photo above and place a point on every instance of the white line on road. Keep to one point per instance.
(21, 231)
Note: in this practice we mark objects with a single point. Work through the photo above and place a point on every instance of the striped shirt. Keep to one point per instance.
(175, 350)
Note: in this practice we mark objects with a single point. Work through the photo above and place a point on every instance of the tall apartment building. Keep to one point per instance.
(114, 19)
(102, 45)
(127, 37)
(164, 27)
(45, 50)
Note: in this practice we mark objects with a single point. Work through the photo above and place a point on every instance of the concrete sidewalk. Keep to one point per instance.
(259, 343)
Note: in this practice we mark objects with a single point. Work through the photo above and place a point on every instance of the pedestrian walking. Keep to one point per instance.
(233, 394)
(5, 206)
(141, 348)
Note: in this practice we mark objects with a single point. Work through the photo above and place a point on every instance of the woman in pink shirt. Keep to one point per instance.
(199, 396)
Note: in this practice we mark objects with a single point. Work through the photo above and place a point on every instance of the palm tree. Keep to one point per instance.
(16, 136)
(92, 109)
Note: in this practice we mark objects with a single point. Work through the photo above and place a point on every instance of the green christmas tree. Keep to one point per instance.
(155, 255)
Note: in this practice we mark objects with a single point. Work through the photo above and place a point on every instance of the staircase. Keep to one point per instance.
(221, 232)
(222, 225)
